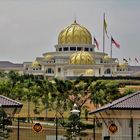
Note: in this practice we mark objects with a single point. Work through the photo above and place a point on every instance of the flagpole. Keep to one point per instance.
(111, 48)
(103, 33)
(129, 61)
(103, 41)
(111, 54)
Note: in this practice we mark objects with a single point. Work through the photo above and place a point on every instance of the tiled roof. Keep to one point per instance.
(134, 68)
(7, 102)
(129, 102)
(9, 64)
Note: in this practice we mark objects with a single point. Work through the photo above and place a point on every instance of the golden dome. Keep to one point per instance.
(89, 72)
(123, 65)
(106, 58)
(48, 57)
(81, 58)
(35, 64)
(75, 34)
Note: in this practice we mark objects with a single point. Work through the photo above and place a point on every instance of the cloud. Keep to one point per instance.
(33, 25)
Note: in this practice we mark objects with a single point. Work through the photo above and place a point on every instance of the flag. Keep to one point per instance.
(136, 60)
(105, 27)
(96, 42)
(114, 42)
(125, 60)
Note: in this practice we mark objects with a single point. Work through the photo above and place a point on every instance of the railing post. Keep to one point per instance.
(18, 129)
(56, 129)
(131, 128)
(94, 128)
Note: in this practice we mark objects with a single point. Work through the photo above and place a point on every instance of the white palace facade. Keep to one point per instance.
(74, 56)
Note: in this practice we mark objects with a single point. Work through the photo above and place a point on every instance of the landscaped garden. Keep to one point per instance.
(46, 98)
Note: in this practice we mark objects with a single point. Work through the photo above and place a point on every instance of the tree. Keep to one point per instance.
(79, 94)
(61, 96)
(35, 92)
(4, 121)
(6, 87)
(17, 92)
(13, 76)
(46, 93)
(28, 92)
(3, 75)
(103, 92)
(73, 127)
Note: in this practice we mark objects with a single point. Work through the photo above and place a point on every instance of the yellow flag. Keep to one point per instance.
(105, 27)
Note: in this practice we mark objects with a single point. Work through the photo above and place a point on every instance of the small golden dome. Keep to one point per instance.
(81, 58)
(123, 65)
(35, 64)
(106, 58)
(75, 34)
(48, 57)
(89, 72)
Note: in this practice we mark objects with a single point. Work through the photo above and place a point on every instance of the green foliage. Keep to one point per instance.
(74, 127)
(60, 95)
(128, 91)
(4, 121)
(6, 87)
(123, 83)
(103, 91)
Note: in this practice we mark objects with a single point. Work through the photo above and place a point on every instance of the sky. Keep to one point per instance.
(29, 28)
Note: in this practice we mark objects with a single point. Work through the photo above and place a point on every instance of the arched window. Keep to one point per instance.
(79, 48)
(87, 49)
(49, 70)
(60, 49)
(66, 48)
(59, 70)
(108, 71)
(101, 60)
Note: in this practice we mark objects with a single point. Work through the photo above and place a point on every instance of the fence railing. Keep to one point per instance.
(97, 129)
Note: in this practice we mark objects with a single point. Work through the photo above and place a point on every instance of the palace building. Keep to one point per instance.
(74, 56)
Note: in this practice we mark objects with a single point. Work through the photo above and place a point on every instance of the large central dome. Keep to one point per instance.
(75, 34)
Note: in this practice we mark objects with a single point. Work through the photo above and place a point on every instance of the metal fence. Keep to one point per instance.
(95, 129)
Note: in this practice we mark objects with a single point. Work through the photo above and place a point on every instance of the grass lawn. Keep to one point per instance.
(133, 87)
(50, 114)
(24, 112)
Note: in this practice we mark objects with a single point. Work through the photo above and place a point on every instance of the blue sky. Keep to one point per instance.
(29, 28)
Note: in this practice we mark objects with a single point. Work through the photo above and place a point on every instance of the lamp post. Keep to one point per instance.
(75, 112)
(56, 126)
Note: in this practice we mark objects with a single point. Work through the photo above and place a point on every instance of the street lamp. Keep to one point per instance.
(75, 110)
(76, 118)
